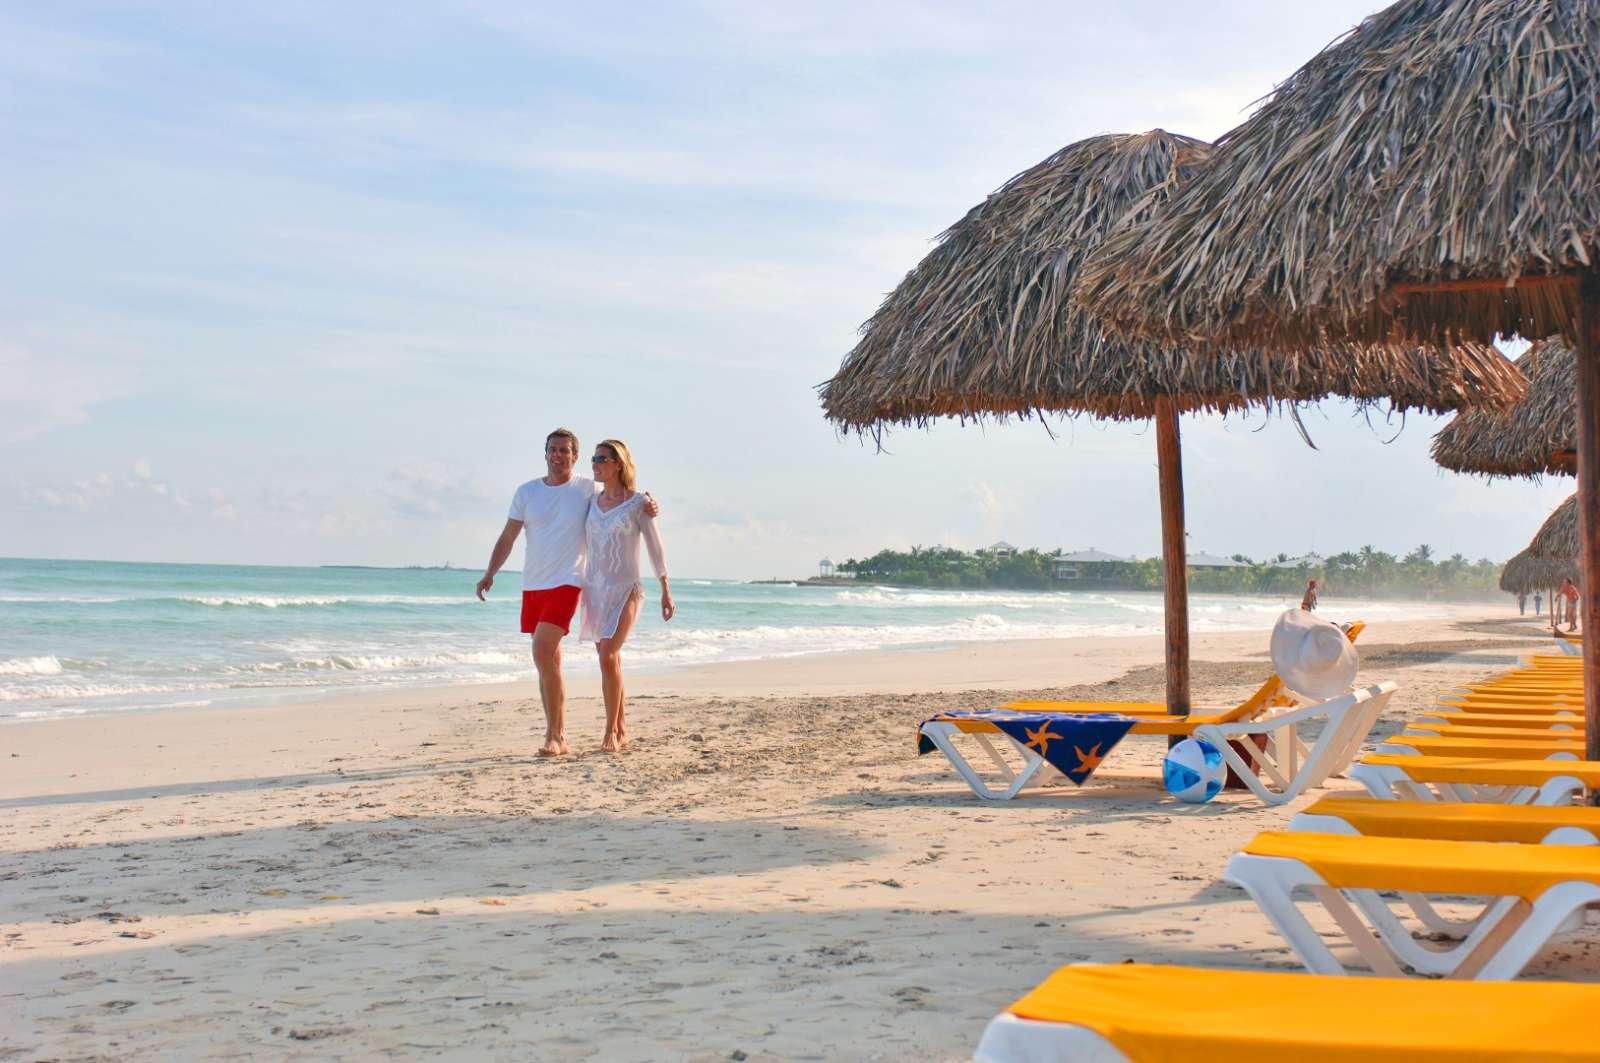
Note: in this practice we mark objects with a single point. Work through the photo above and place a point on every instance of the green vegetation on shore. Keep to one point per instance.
(1367, 571)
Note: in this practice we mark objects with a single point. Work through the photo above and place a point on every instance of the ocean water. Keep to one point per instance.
(82, 637)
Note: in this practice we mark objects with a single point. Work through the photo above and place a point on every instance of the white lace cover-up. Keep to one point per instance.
(611, 573)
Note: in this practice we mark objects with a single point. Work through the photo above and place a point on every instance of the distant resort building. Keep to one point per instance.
(1204, 560)
(1091, 564)
(1308, 561)
(827, 570)
(1000, 551)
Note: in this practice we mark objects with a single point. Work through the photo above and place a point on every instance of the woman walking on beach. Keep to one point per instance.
(611, 590)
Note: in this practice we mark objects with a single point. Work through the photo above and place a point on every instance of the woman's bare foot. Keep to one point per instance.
(554, 747)
(613, 743)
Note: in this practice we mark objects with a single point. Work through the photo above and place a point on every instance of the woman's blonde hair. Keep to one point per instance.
(625, 470)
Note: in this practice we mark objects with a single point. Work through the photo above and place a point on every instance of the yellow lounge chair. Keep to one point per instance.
(1499, 747)
(1533, 706)
(1527, 681)
(1434, 719)
(1520, 691)
(1426, 729)
(1134, 1013)
(1420, 777)
(1475, 822)
(1541, 889)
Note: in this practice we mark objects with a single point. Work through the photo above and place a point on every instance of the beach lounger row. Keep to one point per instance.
(1491, 829)
(1446, 798)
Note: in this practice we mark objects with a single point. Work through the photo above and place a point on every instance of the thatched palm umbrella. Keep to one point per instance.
(982, 326)
(1525, 574)
(1557, 538)
(1531, 438)
(1538, 435)
(1552, 556)
(1434, 174)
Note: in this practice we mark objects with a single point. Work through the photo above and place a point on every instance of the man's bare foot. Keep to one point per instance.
(554, 747)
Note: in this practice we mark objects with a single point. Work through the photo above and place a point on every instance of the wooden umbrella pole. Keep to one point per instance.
(1169, 460)
(1588, 357)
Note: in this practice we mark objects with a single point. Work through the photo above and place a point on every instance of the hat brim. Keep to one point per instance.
(1334, 676)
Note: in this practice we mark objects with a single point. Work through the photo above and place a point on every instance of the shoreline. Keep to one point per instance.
(999, 665)
(768, 869)
(581, 674)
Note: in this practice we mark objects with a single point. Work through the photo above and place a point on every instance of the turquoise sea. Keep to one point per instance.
(90, 636)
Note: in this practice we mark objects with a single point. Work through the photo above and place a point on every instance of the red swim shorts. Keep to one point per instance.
(553, 606)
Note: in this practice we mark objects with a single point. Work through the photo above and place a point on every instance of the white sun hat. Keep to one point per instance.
(1312, 657)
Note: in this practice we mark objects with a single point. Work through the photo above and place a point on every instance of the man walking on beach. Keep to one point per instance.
(553, 511)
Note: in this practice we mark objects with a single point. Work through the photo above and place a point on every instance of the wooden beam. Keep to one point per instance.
(1481, 284)
(1587, 350)
(1169, 461)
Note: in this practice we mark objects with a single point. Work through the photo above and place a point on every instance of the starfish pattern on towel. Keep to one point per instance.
(1089, 761)
(1040, 739)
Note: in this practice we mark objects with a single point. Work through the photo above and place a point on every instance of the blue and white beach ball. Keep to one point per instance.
(1193, 771)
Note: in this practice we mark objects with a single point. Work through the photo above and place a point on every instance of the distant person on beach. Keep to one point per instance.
(1569, 595)
(1522, 603)
(552, 510)
(1309, 601)
(611, 590)
(1538, 603)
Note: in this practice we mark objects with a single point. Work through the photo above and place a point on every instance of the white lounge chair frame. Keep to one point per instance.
(1390, 782)
(1034, 770)
(1011, 1039)
(1495, 945)
(1288, 766)
(1423, 909)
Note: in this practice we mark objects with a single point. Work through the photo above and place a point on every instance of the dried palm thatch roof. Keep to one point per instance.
(1537, 435)
(1438, 141)
(1557, 538)
(1525, 574)
(983, 325)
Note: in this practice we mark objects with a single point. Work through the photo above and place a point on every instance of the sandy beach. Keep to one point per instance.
(768, 872)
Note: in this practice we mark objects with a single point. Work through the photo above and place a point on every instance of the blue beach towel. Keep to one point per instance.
(1072, 743)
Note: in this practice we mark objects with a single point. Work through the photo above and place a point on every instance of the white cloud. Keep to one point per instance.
(40, 392)
(434, 491)
(986, 503)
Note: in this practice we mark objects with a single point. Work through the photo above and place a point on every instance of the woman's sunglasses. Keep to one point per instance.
(601, 459)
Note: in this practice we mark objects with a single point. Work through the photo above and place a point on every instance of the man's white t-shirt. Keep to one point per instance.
(552, 522)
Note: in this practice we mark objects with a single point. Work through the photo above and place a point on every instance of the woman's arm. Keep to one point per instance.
(658, 562)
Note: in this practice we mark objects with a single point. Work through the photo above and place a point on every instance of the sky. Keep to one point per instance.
(301, 283)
